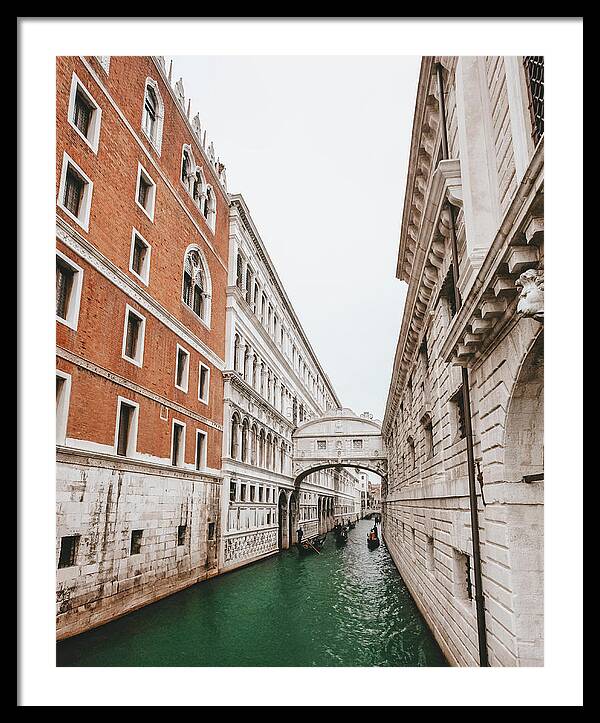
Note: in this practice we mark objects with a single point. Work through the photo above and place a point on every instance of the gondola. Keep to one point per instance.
(373, 541)
(307, 547)
(351, 525)
(341, 535)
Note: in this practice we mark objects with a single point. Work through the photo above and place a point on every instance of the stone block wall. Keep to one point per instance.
(102, 500)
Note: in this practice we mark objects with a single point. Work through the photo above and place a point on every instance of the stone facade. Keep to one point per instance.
(273, 382)
(492, 184)
(142, 254)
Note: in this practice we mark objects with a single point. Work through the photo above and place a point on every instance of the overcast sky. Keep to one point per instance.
(318, 147)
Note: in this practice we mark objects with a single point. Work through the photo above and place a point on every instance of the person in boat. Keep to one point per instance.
(300, 534)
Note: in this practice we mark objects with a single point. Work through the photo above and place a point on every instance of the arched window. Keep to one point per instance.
(239, 272)
(245, 440)
(253, 444)
(249, 276)
(282, 461)
(196, 284)
(236, 352)
(210, 207)
(269, 451)
(246, 367)
(235, 432)
(188, 170)
(261, 448)
(153, 114)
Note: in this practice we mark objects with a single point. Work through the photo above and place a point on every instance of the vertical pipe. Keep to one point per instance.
(466, 395)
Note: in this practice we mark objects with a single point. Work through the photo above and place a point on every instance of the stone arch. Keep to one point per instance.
(524, 429)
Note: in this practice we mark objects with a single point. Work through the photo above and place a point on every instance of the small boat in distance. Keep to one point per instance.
(341, 533)
(373, 538)
(351, 525)
(307, 547)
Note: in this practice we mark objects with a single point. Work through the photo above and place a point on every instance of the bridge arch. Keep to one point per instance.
(340, 438)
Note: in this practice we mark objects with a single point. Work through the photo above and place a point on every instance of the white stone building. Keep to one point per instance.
(273, 382)
(475, 177)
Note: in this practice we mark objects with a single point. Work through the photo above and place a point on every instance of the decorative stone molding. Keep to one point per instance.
(531, 296)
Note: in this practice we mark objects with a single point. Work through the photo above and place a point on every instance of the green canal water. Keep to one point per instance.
(347, 606)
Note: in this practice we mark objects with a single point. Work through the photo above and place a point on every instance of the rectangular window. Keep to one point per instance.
(69, 546)
(182, 368)
(321, 444)
(211, 530)
(178, 444)
(63, 393)
(357, 444)
(64, 286)
(136, 542)
(252, 493)
(203, 383)
(201, 438)
(75, 192)
(181, 530)
(457, 412)
(139, 259)
(243, 492)
(145, 192)
(126, 429)
(133, 336)
(260, 494)
(83, 111)
(534, 72)
(73, 195)
(232, 491)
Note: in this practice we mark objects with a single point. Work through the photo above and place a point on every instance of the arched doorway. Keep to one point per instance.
(293, 516)
(282, 534)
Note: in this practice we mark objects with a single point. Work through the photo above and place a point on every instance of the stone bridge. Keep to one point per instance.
(340, 438)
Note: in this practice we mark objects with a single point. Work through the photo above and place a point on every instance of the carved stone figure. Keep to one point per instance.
(531, 297)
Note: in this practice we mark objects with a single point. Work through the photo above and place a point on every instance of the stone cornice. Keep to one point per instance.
(429, 250)
(238, 203)
(513, 250)
(68, 455)
(87, 251)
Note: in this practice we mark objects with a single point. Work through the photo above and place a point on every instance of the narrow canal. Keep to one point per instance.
(347, 606)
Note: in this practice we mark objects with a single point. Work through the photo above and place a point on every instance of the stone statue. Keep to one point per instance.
(531, 297)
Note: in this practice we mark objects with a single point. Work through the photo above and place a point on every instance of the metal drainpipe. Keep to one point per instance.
(466, 394)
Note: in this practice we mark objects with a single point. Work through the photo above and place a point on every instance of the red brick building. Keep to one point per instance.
(142, 228)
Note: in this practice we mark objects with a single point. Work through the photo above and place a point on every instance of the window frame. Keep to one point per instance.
(201, 433)
(62, 407)
(83, 220)
(204, 399)
(93, 137)
(187, 368)
(72, 319)
(131, 451)
(205, 320)
(139, 360)
(145, 276)
(155, 142)
(153, 189)
(179, 462)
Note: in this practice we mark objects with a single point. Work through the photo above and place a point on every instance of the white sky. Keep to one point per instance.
(318, 146)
